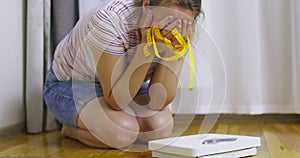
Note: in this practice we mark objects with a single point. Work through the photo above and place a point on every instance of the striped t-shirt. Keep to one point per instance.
(110, 28)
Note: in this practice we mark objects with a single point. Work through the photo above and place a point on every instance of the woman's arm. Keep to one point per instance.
(167, 74)
(120, 83)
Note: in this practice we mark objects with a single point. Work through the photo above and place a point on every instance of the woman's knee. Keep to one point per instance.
(162, 119)
(157, 126)
(118, 134)
(114, 128)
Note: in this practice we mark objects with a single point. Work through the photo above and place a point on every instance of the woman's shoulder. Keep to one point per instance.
(117, 13)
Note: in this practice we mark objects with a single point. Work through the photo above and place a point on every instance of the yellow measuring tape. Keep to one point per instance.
(178, 50)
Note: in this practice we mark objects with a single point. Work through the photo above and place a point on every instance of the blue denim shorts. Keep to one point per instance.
(66, 99)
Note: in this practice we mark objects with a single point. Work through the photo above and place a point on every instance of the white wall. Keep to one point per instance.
(86, 6)
(11, 62)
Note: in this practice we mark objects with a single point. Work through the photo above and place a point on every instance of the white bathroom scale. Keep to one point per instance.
(205, 146)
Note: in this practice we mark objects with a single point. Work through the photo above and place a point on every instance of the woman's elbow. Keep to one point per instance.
(112, 103)
(161, 101)
(170, 99)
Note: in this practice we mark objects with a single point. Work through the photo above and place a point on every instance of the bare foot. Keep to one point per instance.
(66, 131)
(83, 136)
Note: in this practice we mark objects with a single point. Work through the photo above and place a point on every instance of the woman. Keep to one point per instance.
(102, 88)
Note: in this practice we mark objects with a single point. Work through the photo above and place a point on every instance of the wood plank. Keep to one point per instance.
(193, 129)
(13, 142)
(181, 129)
(35, 146)
(296, 127)
(252, 129)
(222, 128)
(282, 140)
(234, 128)
(255, 129)
(71, 148)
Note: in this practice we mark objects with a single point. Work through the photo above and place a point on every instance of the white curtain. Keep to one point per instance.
(259, 46)
(38, 51)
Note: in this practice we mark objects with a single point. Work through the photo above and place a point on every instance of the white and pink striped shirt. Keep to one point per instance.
(110, 28)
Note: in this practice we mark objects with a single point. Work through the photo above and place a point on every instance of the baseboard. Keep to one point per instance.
(12, 131)
(234, 118)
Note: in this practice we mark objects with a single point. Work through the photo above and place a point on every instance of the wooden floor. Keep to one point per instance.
(279, 140)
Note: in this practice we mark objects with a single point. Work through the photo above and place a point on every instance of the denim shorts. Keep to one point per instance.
(66, 99)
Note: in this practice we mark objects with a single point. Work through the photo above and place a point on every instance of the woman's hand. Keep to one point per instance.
(166, 26)
(184, 27)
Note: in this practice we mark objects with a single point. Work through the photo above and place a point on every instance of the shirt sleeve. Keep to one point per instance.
(104, 34)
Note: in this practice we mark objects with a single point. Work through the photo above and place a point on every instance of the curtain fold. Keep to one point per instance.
(35, 66)
(48, 21)
(64, 15)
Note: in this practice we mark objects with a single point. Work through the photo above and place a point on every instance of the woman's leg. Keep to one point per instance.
(153, 124)
(157, 126)
(100, 126)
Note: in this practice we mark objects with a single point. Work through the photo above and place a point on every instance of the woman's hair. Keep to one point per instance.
(193, 5)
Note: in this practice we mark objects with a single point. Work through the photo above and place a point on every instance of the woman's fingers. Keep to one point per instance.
(148, 20)
(179, 27)
(173, 25)
(190, 29)
(165, 22)
(184, 28)
(166, 32)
